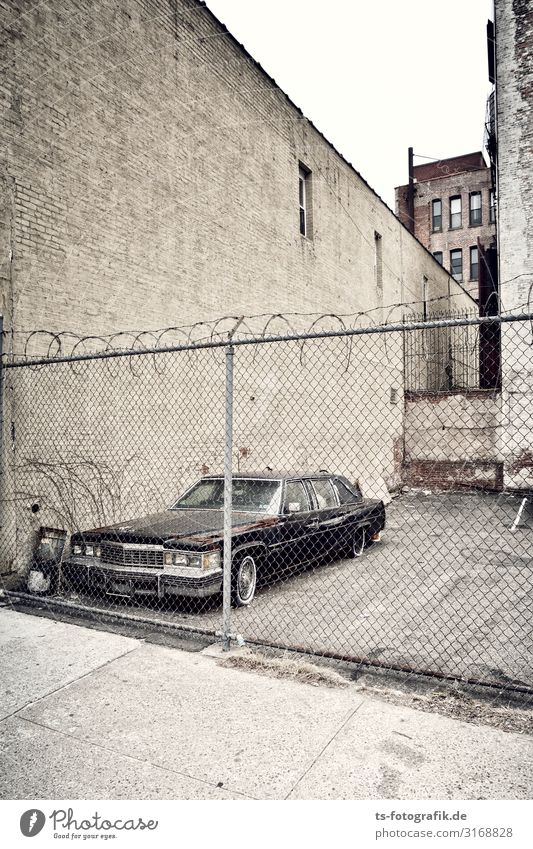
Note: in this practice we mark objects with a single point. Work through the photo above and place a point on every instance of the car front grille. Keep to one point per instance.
(120, 555)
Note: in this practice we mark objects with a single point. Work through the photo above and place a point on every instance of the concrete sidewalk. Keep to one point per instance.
(88, 714)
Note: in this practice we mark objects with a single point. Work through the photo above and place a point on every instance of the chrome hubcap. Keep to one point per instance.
(246, 578)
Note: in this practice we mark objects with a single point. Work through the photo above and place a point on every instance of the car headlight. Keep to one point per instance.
(211, 560)
(89, 549)
(176, 558)
(205, 560)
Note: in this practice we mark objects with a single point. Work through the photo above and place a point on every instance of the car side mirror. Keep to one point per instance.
(294, 507)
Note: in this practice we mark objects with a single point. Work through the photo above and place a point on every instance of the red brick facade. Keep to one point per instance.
(458, 177)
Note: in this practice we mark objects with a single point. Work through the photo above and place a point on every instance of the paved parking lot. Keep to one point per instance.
(448, 589)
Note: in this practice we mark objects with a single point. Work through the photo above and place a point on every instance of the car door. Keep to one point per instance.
(290, 548)
(326, 518)
(350, 510)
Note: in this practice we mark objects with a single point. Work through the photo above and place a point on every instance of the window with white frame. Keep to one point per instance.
(475, 208)
(455, 212)
(474, 263)
(456, 264)
(492, 206)
(436, 215)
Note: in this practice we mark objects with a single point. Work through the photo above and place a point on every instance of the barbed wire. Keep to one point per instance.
(52, 344)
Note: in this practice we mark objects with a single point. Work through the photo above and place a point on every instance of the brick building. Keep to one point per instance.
(454, 209)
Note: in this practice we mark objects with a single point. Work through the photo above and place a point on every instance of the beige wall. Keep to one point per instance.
(154, 170)
(452, 440)
(151, 179)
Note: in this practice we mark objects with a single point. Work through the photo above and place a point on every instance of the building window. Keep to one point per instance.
(438, 256)
(304, 197)
(455, 212)
(456, 264)
(436, 215)
(474, 263)
(475, 208)
(492, 206)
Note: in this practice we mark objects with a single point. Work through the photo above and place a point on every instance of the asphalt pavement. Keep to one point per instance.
(87, 714)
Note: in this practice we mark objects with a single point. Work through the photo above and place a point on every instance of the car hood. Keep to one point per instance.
(179, 524)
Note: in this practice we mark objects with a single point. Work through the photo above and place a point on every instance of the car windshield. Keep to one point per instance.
(257, 496)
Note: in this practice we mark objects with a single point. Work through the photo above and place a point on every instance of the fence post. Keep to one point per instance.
(2, 464)
(228, 484)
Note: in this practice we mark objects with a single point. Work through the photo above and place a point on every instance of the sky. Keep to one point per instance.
(376, 77)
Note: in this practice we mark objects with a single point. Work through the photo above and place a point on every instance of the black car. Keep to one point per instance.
(280, 523)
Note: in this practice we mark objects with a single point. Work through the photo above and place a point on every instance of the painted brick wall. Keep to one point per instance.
(452, 440)
(150, 178)
(154, 168)
(514, 97)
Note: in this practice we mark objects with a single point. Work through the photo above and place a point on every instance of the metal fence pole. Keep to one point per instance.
(2, 464)
(228, 471)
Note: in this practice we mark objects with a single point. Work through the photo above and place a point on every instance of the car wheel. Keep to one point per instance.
(358, 543)
(244, 580)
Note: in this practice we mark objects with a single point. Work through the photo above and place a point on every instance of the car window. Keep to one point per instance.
(260, 496)
(346, 496)
(206, 493)
(325, 495)
(295, 493)
(256, 495)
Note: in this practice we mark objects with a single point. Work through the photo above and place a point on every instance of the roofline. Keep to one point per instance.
(458, 156)
(265, 73)
(242, 48)
(278, 477)
(447, 176)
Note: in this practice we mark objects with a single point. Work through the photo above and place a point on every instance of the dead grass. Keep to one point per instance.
(286, 667)
(458, 705)
(451, 702)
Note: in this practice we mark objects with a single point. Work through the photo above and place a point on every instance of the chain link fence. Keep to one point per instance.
(298, 491)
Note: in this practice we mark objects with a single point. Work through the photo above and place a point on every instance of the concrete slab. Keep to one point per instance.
(388, 751)
(185, 713)
(41, 764)
(39, 655)
(218, 651)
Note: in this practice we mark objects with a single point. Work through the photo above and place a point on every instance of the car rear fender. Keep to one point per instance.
(372, 517)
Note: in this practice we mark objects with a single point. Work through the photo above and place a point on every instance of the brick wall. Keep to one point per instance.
(444, 180)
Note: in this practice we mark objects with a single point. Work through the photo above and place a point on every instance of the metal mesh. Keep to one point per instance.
(323, 429)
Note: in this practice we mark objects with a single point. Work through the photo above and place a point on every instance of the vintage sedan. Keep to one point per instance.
(280, 523)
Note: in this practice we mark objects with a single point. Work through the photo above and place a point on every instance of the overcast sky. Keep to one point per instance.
(375, 77)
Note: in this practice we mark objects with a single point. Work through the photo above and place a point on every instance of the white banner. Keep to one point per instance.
(246, 824)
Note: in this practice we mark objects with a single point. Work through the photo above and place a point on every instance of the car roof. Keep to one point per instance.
(275, 476)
